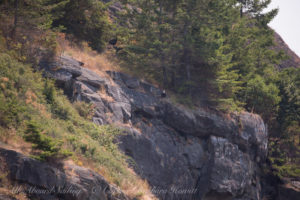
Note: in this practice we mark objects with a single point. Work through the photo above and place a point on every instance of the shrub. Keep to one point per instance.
(61, 109)
(85, 110)
(87, 20)
(262, 98)
(49, 91)
(10, 108)
(50, 147)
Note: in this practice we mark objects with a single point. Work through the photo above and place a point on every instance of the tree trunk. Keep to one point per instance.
(174, 55)
(162, 56)
(186, 59)
(165, 77)
(241, 11)
(173, 81)
(16, 19)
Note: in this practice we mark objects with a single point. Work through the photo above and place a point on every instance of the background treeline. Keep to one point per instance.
(210, 49)
(30, 25)
(215, 53)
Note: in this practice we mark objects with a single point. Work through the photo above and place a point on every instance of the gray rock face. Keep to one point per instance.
(44, 182)
(234, 166)
(183, 153)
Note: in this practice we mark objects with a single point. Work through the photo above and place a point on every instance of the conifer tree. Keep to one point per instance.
(87, 20)
(32, 14)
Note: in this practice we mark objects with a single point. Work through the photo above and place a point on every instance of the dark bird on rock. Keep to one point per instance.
(117, 49)
(113, 41)
(163, 94)
(80, 63)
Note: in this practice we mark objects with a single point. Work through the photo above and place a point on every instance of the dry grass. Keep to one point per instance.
(9, 139)
(97, 62)
(137, 188)
(103, 94)
(32, 99)
(91, 59)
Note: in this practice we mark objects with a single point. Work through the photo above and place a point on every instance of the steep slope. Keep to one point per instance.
(183, 153)
(37, 120)
(293, 60)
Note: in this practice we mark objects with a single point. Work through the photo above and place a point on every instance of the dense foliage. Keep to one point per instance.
(203, 45)
(87, 20)
(285, 141)
(35, 21)
(26, 26)
(220, 51)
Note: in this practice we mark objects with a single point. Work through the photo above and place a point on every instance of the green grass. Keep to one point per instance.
(42, 115)
(287, 170)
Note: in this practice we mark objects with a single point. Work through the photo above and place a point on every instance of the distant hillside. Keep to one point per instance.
(294, 60)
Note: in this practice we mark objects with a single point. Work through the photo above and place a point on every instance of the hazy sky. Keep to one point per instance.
(287, 22)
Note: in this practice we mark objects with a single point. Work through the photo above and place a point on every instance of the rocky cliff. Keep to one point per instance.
(183, 153)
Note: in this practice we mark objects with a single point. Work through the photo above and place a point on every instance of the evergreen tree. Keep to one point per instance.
(27, 27)
(182, 38)
(87, 20)
(289, 114)
(31, 14)
(149, 39)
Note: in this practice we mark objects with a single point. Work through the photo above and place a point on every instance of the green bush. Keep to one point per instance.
(87, 20)
(60, 108)
(50, 147)
(49, 91)
(85, 110)
(262, 98)
(287, 170)
(10, 106)
(9, 109)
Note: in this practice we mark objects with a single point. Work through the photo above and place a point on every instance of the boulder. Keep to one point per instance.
(63, 69)
(91, 78)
